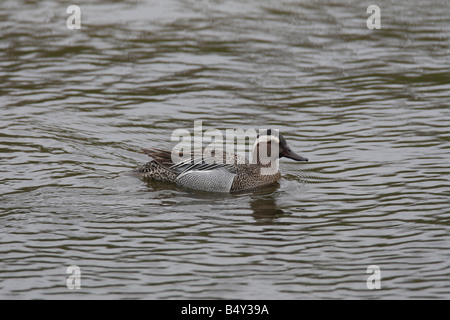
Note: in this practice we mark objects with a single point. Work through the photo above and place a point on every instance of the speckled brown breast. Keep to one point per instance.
(249, 177)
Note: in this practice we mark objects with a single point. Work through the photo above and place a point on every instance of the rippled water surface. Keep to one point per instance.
(369, 108)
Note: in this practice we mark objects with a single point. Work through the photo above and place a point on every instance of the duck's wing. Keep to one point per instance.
(202, 163)
(193, 163)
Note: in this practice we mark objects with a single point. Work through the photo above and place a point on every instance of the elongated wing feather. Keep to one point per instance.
(194, 162)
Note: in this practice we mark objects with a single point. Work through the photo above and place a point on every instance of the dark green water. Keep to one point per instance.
(369, 108)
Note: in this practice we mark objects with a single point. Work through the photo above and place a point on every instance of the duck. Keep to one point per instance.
(220, 171)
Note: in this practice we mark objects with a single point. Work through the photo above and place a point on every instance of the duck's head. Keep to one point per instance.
(285, 151)
(270, 142)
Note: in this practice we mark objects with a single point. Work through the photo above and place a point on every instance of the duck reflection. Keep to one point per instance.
(262, 202)
(264, 207)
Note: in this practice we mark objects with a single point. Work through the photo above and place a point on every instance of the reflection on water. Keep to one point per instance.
(369, 108)
(264, 206)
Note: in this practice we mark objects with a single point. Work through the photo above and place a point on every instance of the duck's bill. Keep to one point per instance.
(292, 155)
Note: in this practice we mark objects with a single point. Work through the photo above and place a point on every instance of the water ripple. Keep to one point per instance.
(369, 108)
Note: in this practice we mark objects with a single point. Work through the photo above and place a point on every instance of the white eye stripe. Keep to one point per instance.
(266, 139)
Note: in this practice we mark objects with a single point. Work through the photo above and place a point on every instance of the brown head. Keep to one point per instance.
(271, 145)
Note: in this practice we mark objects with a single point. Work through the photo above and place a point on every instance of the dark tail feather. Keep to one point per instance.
(163, 157)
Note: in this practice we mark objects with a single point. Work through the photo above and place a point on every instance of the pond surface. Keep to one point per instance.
(369, 108)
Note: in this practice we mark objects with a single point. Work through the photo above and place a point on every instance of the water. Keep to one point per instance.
(369, 108)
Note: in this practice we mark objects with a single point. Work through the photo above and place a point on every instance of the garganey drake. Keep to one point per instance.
(222, 172)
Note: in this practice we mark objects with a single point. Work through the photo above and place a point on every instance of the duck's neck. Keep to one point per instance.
(268, 165)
